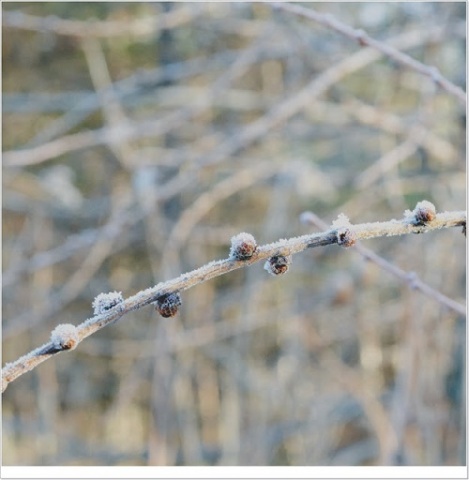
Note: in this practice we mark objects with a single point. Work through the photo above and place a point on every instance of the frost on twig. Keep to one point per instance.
(244, 251)
(410, 278)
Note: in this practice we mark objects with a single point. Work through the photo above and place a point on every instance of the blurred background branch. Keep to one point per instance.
(363, 39)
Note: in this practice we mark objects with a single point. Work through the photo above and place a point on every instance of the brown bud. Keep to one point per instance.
(278, 264)
(105, 301)
(424, 212)
(243, 246)
(64, 337)
(168, 304)
(345, 237)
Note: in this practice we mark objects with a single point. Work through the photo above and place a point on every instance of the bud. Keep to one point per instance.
(345, 237)
(168, 304)
(424, 212)
(105, 301)
(278, 264)
(243, 246)
(64, 337)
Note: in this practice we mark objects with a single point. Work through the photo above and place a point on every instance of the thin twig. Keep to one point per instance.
(256, 129)
(120, 132)
(410, 278)
(342, 232)
(142, 27)
(363, 39)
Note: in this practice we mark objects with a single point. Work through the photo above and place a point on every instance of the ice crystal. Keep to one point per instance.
(341, 221)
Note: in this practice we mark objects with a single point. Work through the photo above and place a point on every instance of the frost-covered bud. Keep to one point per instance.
(168, 304)
(243, 246)
(64, 337)
(424, 212)
(105, 301)
(278, 264)
(345, 237)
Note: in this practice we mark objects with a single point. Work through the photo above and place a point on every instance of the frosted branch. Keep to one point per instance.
(111, 307)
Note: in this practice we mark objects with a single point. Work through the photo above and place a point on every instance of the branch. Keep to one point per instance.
(244, 252)
(143, 27)
(410, 278)
(279, 113)
(363, 39)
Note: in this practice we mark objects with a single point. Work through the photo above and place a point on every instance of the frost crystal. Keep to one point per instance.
(243, 246)
(409, 216)
(65, 336)
(105, 301)
(341, 221)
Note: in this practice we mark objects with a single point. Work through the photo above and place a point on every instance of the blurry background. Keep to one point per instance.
(137, 139)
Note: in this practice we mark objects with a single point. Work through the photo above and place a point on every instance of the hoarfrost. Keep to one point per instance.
(341, 221)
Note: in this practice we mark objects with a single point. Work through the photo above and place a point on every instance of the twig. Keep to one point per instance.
(408, 277)
(256, 129)
(373, 116)
(146, 26)
(363, 39)
(123, 131)
(166, 294)
(387, 162)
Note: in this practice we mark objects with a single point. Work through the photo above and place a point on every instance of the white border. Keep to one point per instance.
(235, 472)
